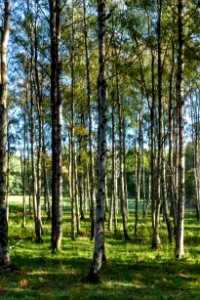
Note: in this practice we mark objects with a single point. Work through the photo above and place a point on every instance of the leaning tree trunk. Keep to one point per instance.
(99, 247)
(4, 249)
(56, 104)
(181, 152)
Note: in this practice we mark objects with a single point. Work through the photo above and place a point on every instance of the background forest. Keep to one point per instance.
(99, 148)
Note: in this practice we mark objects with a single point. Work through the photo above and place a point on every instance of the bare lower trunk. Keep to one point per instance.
(23, 171)
(99, 247)
(181, 152)
(7, 175)
(4, 249)
(138, 173)
(156, 238)
(145, 200)
(78, 225)
(40, 125)
(81, 196)
(73, 151)
(152, 129)
(113, 201)
(123, 201)
(34, 180)
(165, 201)
(56, 104)
(91, 165)
(124, 160)
(171, 143)
(46, 185)
(195, 117)
(106, 195)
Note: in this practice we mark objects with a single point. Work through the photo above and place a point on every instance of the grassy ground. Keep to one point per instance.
(132, 271)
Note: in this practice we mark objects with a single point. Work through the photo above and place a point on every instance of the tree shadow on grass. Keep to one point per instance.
(58, 277)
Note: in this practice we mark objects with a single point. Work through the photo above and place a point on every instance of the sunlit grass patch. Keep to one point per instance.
(132, 271)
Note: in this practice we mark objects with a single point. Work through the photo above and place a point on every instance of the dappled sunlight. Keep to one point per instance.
(132, 270)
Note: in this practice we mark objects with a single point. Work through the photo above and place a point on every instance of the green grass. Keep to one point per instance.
(132, 271)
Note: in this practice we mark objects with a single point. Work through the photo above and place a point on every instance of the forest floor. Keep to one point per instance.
(133, 270)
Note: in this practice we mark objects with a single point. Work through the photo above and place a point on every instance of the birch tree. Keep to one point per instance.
(99, 247)
(4, 249)
(56, 105)
(181, 152)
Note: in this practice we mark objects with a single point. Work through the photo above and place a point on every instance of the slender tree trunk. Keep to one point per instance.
(23, 171)
(81, 197)
(152, 129)
(195, 117)
(4, 249)
(113, 201)
(122, 184)
(34, 180)
(164, 196)
(38, 227)
(78, 225)
(70, 167)
(124, 160)
(175, 167)
(73, 152)
(56, 104)
(106, 195)
(181, 153)
(40, 123)
(28, 149)
(138, 174)
(46, 185)
(156, 238)
(87, 190)
(171, 143)
(8, 174)
(91, 166)
(72, 192)
(99, 246)
(85, 199)
(144, 193)
(123, 202)
(28, 183)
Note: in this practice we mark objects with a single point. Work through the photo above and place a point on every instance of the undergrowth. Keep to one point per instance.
(132, 271)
